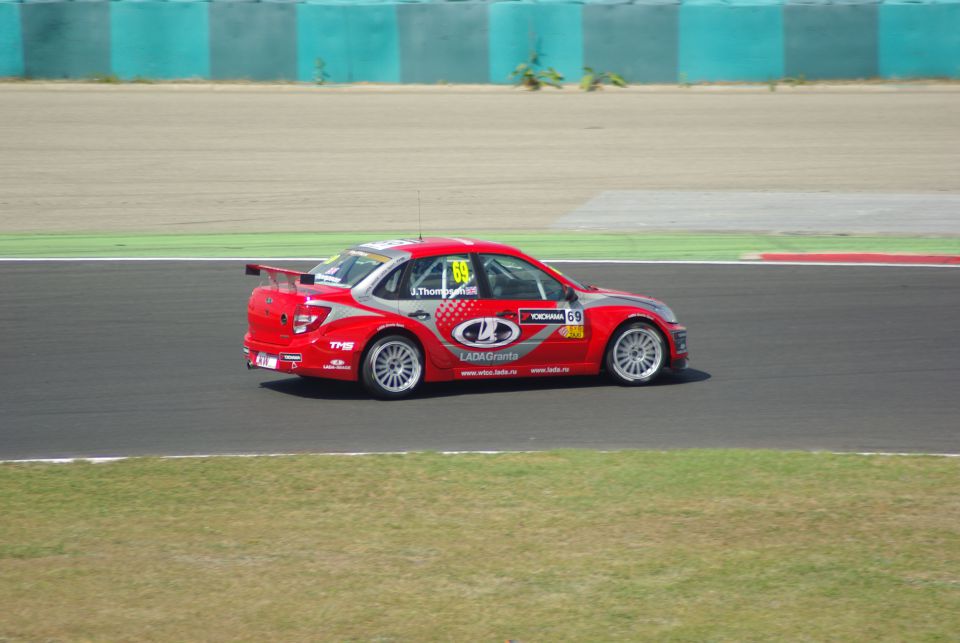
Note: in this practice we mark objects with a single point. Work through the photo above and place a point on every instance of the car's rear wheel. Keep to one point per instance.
(392, 368)
(636, 354)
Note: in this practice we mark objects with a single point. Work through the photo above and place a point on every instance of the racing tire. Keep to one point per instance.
(392, 368)
(636, 354)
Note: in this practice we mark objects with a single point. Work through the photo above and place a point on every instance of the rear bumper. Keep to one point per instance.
(311, 357)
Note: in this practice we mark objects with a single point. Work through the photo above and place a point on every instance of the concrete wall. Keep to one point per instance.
(480, 42)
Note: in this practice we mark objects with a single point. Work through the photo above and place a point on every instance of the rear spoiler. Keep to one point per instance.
(272, 271)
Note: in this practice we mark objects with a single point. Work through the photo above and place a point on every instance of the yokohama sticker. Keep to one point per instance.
(542, 316)
(561, 316)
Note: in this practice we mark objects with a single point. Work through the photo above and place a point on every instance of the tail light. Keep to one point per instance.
(308, 318)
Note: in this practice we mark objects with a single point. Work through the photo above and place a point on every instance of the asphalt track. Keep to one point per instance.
(111, 359)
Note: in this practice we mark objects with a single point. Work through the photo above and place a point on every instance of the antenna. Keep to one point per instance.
(419, 216)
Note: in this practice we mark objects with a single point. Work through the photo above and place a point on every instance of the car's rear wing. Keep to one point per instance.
(281, 276)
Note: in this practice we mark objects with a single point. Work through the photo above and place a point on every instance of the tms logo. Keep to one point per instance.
(486, 332)
(342, 346)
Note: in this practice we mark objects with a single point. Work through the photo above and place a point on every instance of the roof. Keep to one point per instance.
(438, 245)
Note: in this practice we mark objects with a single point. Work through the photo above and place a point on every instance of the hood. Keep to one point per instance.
(611, 297)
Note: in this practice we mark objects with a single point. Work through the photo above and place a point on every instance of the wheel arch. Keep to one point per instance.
(664, 335)
(390, 330)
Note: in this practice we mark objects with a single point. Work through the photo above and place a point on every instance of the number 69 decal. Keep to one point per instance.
(574, 317)
(461, 273)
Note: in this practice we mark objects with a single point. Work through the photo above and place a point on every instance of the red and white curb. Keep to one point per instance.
(859, 258)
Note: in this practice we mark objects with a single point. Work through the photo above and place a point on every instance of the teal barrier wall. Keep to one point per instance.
(254, 40)
(919, 40)
(160, 39)
(11, 41)
(444, 42)
(431, 41)
(639, 42)
(65, 39)
(830, 41)
(354, 42)
(553, 31)
(730, 42)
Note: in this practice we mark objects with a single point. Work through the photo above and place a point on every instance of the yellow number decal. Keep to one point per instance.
(574, 332)
(461, 273)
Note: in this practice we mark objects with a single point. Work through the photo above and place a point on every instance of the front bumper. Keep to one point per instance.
(679, 357)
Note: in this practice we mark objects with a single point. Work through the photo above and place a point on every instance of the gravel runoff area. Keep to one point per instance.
(789, 212)
(194, 158)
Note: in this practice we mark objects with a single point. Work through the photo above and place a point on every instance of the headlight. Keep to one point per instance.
(664, 311)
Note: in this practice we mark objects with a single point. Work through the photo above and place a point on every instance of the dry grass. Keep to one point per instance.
(719, 545)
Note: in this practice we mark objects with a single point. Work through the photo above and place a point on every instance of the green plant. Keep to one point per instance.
(320, 76)
(530, 75)
(593, 80)
(800, 79)
(105, 78)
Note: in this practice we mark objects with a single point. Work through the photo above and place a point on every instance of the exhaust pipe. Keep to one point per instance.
(250, 365)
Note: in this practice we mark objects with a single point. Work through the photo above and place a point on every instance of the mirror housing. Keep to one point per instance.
(569, 294)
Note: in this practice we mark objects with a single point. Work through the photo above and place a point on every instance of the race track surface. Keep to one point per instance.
(105, 359)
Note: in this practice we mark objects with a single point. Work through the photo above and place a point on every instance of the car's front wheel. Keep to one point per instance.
(392, 368)
(636, 354)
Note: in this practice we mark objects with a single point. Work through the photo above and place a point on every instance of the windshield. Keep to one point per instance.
(575, 282)
(348, 268)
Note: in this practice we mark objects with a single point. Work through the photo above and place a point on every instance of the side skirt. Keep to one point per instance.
(496, 371)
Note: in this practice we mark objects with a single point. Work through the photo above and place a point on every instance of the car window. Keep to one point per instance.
(348, 268)
(513, 278)
(443, 277)
(389, 286)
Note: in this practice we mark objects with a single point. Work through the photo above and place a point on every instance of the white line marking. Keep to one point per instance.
(898, 455)
(849, 264)
(66, 259)
(107, 460)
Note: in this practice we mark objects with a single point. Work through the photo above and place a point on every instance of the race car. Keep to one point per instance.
(394, 314)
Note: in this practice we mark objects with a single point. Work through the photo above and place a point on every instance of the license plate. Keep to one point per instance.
(266, 361)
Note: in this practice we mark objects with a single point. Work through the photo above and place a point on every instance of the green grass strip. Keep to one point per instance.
(560, 546)
(546, 244)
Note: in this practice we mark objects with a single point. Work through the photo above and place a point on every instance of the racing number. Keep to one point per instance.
(574, 317)
(461, 272)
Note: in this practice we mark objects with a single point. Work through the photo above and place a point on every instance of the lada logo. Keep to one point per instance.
(486, 332)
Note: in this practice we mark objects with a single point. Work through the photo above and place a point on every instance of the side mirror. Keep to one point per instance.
(569, 294)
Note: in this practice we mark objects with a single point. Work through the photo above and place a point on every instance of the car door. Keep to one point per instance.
(441, 292)
(552, 330)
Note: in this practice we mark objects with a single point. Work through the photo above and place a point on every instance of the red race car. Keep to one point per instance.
(393, 314)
